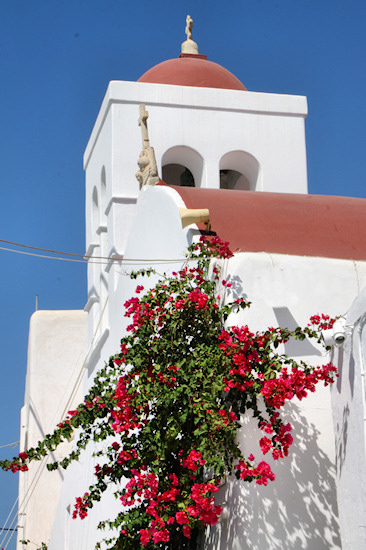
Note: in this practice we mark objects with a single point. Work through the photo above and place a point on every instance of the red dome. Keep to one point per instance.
(192, 70)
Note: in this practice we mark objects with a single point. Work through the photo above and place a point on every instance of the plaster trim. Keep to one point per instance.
(120, 200)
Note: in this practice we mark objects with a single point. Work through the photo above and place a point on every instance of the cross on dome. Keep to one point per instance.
(192, 69)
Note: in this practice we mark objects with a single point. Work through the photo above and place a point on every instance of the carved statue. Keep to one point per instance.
(189, 25)
(189, 46)
(148, 170)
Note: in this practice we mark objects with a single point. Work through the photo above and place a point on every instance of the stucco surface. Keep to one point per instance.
(205, 129)
(57, 348)
(298, 510)
(349, 414)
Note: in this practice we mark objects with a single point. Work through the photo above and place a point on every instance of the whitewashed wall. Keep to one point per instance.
(205, 129)
(208, 130)
(349, 414)
(298, 510)
(57, 348)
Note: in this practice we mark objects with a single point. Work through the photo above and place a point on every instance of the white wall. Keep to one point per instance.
(56, 350)
(260, 134)
(349, 414)
(211, 121)
(298, 510)
(221, 127)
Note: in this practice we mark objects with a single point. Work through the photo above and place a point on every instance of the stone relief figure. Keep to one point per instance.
(148, 170)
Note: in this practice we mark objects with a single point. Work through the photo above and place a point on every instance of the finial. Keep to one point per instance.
(148, 170)
(189, 25)
(189, 46)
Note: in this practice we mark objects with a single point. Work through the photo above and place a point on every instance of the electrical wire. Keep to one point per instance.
(84, 257)
(43, 256)
(10, 445)
(24, 502)
(79, 378)
(127, 261)
(7, 519)
(45, 249)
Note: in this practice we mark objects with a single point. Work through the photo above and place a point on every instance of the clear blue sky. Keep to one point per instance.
(56, 59)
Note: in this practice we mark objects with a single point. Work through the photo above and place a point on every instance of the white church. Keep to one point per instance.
(236, 159)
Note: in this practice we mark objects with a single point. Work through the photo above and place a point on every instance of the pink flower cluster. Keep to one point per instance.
(169, 381)
(124, 416)
(240, 346)
(215, 246)
(196, 297)
(140, 312)
(283, 440)
(322, 322)
(226, 417)
(81, 507)
(18, 466)
(145, 487)
(261, 473)
(204, 503)
(125, 456)
(277, 391)
(193, 461)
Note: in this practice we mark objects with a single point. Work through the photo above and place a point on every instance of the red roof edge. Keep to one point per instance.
(284, 223)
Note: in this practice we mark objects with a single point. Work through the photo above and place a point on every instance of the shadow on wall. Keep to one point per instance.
(341, 434)
(293, 348)
(236, 290)
(296, 511)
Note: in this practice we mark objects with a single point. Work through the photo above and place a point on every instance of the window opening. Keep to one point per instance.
(232, 179)
(177, 174)
(239, 170)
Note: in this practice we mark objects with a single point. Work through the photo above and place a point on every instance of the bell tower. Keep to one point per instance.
(207, 130)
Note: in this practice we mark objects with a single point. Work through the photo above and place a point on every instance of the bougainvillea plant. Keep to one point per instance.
(168, 406)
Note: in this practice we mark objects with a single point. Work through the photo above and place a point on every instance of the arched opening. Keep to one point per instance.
(182, 166)
(232, 179)
(239, 170)
(177, 174)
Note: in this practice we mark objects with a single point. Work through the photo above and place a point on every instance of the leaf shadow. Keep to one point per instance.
(296, 511)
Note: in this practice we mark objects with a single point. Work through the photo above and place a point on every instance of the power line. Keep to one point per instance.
(48, 250)
(10, 445)
(86, 259)
(11, 524)
(44, 256)
(83, 256)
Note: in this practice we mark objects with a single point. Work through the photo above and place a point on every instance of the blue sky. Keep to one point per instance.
(56, 59)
